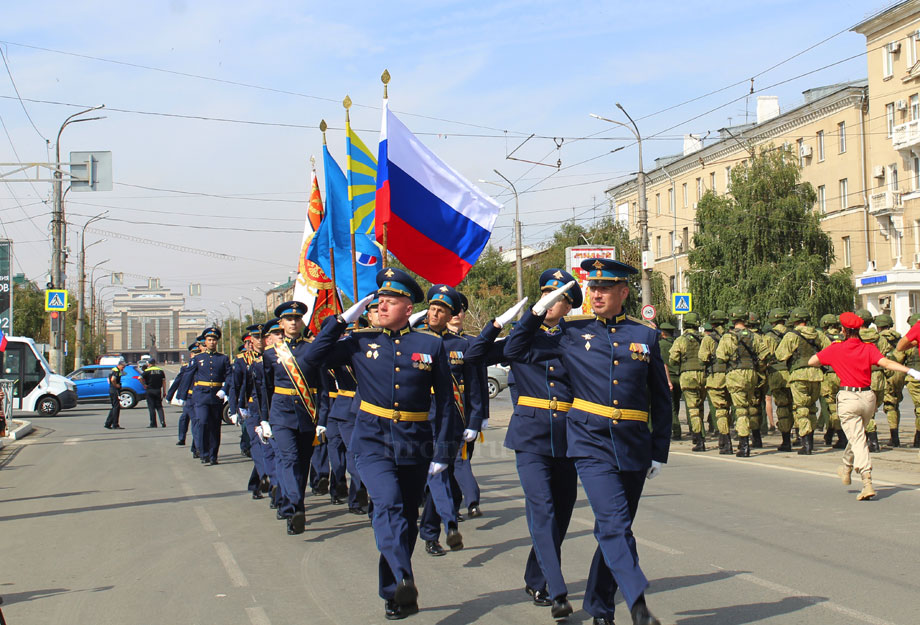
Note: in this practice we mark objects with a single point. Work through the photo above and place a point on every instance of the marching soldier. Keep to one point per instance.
(242, 405)
(666, 342)
(830, 385)
(868, 334)
(173, 398)
(894, 380)
(742, 353)
(608, 434)
(207, 373)
(715, 379)
(760, 390)
(685, 361)
(778, 379)
(797, 347)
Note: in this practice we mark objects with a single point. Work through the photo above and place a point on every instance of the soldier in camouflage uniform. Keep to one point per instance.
(797, 347)
(710, 419)
(664, 343)
(715, 379)
(685, 360)
(912, 360)
(894, 380)
(778, 379)
(868, 334)
(831, 328)
(760, 391)
(744, 354)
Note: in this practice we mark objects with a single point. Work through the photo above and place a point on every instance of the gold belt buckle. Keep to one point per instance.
(396, 416)
(553, 404)
(616, 413)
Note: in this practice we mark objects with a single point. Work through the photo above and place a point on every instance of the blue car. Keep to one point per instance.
(92, 382)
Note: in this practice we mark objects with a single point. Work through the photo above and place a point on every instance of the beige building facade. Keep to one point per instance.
(858, 145)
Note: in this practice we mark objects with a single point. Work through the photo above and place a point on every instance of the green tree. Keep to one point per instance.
(29, 316)
(761, 245)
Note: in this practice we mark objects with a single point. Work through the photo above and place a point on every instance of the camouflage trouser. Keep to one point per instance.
(742, 385)
(829, 387)
(805, 395)
(720, 400)
(692, 386)
(894, 393)
(913, 389)
(778, 383)
(878, 387)
(760, 403)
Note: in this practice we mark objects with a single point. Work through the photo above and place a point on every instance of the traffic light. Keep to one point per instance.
(55, 321)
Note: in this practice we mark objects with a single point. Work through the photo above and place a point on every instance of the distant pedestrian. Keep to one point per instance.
(111, 422)
(155, 383)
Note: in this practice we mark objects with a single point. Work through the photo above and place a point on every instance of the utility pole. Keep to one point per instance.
(81, 307)
(518, 254)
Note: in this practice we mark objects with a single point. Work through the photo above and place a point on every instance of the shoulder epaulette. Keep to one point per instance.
(268, 348)
(641, 321)
(578, 317)
(428, 332)
(365, 330)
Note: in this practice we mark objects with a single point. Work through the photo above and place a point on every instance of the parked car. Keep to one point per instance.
(92, 383)
(35, 387)
(498, 379)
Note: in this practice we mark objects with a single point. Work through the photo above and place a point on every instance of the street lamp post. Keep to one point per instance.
(645, 284)
(78, 331)
(252, 308)
(517, 233)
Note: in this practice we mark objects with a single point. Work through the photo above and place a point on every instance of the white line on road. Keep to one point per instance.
(205, 519)
(642, 541)
(237, 578)
(72, 441)
(257, 616)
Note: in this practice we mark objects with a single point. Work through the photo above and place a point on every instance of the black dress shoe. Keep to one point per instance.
(271, 504)
(474, 511)
(602, 620)
(265, 484)
(641, 615)
(338, 501)
(561, 607)
(454, 539)
(195, 455)
(296, 523)
(213, 461)
(322, 486)
(434, 548)
(406, 593)
(204, 460)
(359, 510)
(540, 597)
(118, 427)
(107, 426)
(180, 443)
(460, 518)
(395, 612)
(278, 514)
(257, 495)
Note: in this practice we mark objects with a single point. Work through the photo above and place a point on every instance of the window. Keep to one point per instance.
(699, 189)
(820, 142)
(657, 203)
(847, 260)
(889, 117)
(842, 134)
(658, 246)
(684, 188)
(843, 193)
(893, 178)
(914, 107)
(671, 200)
(712, 181)
(822, 199)
(801, 153)
(887, 61)
(916, 163)
(671, 240)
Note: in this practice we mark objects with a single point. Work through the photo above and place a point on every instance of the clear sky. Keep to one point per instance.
(473, 78)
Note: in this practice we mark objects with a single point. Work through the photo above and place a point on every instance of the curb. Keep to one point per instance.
(24, 428)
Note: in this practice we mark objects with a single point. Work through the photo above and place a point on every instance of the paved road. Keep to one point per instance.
(123, 527)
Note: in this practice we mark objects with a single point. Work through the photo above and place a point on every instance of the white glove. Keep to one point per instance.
(546, 302)
(654, 470)
(258, 431)
(914, 374)
(357, 309)
(484, 426)
(233, 418)
(244, 413)
(436, 467)
(180, 402)
(510, 314)
(415, 317)
(266, 429)
(174, 401)
(221, 395)
(320, 430)
(469, 435)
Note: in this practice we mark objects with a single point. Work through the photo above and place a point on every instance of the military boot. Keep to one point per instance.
(744, 450)
(841, 440)
(829, 436)
(873, 442)
(867, 492)
(756, 440)
(725, 445)
(699, 443)
(808, 444)
(786, 445)
(916, 440)
(798, 439)
(895, 440)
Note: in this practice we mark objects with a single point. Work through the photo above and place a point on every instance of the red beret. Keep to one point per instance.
(851, 320)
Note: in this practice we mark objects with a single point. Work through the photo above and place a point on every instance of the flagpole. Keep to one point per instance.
(322, 127)
(385, 78)
(351, 222)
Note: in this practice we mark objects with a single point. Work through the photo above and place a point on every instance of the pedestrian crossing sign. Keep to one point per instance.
(56, 300)
(681, 303)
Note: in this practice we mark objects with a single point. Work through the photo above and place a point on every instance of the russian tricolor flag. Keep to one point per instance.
(2, 341)
(437, 222)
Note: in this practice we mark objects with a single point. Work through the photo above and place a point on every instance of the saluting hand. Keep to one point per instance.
(546, 302)
(503, 319)
(357, 309)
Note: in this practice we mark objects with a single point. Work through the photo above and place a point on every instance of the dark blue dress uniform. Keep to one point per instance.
(265, 450)
(207, 373)
(619, 384)
(240, 364)
(173, 391)
(395, 437)
(293, 424)
(340, 426)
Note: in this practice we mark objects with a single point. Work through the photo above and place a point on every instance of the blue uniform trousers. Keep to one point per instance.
(319, 463)
(335, 448)
(245, 439)
(183, 424)
(550, 490)
(441, 504)
(207, 434)
(249, 425)
(465, 478)
(395, 491)
(293, 450)
(270, 460)
(346, 429)
(614, 497)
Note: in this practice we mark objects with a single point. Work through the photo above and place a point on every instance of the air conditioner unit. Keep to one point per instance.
(901, 105)
(894, 46)
(878, 171)
(805, 152)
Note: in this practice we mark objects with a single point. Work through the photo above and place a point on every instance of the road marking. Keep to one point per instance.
(817, 601)
(72, 441)
(205, 519)
(257, 616)
(641, 541)
(186, 488)
(907, 487)
(237, 578)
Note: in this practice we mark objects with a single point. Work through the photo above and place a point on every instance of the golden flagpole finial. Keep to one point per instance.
(347, 104)
(385, 79)
(313, 162)
(322, 128)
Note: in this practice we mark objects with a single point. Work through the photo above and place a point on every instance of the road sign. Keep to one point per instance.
(56, 299)
(681, 303)
(648, 312)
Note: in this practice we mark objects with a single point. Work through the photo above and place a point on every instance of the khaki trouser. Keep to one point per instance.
(878, 387)
(778, 382)
(829, 387)
(805, 395)
(894, 393)
(720, 401)
(741, 384)
(855, 409)
(692, 385)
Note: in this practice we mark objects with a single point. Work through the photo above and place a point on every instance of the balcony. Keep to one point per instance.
(885, 203)
(906, 136)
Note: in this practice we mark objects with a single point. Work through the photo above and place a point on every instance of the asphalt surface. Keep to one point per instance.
(100, 526)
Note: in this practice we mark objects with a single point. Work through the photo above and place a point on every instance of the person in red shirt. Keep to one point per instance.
(909, 339)
(852, 361)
